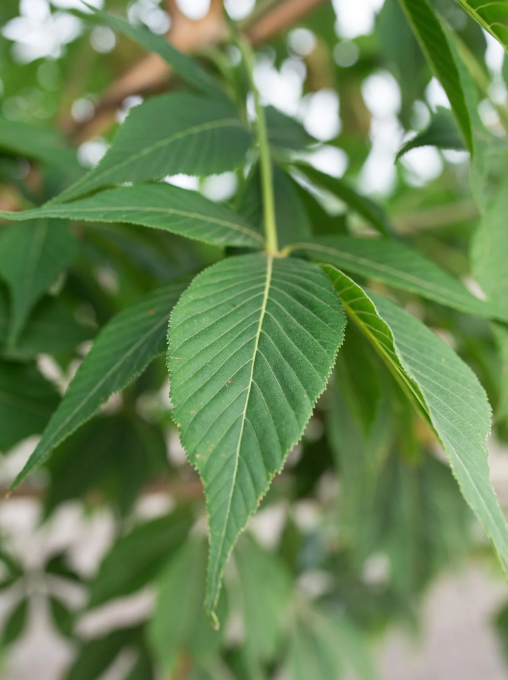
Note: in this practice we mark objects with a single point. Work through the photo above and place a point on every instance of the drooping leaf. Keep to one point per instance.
(167, 135)
(27, 401)
(15, 623)
(114, 456)
(368, 209)
(186, 67)
(493, 16)
(441, 132)
(121, 352)
(95, 656)
(31, 257)
(161, 206)
(137, 558)
(431, 36)
(37, 143)
(50, 329)
(265, 589)
(445, 390)
(326, 646)
(290, 215)
(182, 590)
(399, 266)
(251, 345)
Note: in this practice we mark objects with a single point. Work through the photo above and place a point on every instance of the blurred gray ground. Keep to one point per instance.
(458, 641)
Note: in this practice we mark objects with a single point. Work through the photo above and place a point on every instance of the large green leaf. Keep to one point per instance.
(95, 656)
(431, 36)
(31, 257)
(251, 345)
(37, 143)
(184, 66)
(179, 625)
(122, 350)
(167, 135)
(16, 622)
(493, 16)
(397, 265)
(137, 558)
(27, 401)
(441, 132)
(161, 206)
(368, 209)
(445, 390)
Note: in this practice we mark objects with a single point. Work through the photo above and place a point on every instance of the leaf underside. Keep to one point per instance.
(251, 345)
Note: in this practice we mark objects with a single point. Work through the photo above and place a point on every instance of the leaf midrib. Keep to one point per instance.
(269, 271)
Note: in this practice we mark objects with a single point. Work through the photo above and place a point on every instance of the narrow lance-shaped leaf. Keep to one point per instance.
(445, 389)
(121, 352)
(364, 206)
(251, 345)
(166, 135)
(186, 67)
(399, 266)
(441, 132)
(31, 257)
(161, 206)
(430, 34)
(493, 16)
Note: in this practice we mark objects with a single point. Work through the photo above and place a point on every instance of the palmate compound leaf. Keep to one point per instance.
(121, 352)
(445, 390)
(166, 135)
(31, 257)
(161, 206)
(251, 345)
(400, 267)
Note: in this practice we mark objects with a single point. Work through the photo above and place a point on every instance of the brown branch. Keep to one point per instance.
(152, 73)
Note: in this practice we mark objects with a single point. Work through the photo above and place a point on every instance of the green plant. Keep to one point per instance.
(269, 339)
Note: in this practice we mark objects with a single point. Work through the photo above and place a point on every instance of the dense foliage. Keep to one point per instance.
(307, 329)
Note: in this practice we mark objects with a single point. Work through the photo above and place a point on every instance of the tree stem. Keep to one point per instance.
(265, 159)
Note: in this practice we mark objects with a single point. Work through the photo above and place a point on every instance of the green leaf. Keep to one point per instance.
(179, 625)
(186, 67)
(16, 622)
(399, 266)
(143, 668)
(37, 143)
(290, 215)
(370, 211)
(161, 206)
(31, 257)
(121, 352)
(284, 132)
(265, 587)
(251, 345)
(137, 558)
(324, 645)
(95, 656)
(441, 132)
(50, 329)
(63, 617)
(27, 401)
(493, 16)
(167, 135)
(115, 456)
(58, 566)
(431, 36)
(446, 391)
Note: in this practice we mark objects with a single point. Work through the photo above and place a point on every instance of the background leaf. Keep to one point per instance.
(441, 132)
